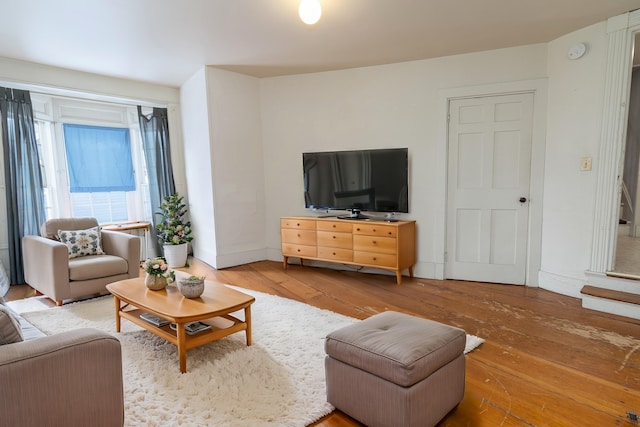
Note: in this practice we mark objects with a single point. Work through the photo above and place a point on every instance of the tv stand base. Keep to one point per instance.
(359, 216)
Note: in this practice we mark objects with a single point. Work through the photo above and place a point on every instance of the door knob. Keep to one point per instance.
(523, 199)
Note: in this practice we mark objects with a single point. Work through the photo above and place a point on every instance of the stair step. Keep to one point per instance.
(611, 294)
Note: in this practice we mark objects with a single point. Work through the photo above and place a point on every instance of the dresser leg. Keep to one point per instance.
(411, 271)
(398, 277)
(284, 263)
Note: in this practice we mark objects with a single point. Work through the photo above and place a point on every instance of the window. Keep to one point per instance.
(100, 171)
(92, 160)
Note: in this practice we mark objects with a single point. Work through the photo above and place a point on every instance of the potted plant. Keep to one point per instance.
(158, 274)
(192, 286)
(173, 231)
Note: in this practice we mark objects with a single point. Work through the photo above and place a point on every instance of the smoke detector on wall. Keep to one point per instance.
(577, 51)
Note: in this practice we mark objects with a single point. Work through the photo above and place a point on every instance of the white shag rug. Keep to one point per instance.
(277, 381)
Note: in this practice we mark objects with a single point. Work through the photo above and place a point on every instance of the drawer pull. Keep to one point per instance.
(374, 242)
(298, 225)
(375, 259)
(374, 230)
(334, 237)
(334, 226)
(298, 250)
(298, 234)
(358, 229)
(334, 253)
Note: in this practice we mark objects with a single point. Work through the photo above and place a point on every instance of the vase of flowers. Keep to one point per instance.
(173, 231)
(159, 274)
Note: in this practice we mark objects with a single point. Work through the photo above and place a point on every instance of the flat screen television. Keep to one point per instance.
(357, 180)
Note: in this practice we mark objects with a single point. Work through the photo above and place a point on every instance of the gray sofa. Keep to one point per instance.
(69, 379)
(49, 269)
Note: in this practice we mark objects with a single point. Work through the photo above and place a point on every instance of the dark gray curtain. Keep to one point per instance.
(23, 178)
(157, 154)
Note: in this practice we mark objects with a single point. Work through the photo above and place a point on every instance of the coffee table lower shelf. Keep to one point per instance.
(217, 331)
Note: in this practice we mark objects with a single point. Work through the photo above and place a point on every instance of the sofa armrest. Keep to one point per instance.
(46, 266)
(123, 245)
(73, 379)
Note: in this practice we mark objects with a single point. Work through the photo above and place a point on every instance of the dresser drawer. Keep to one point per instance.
(373, 259)
(335, 254)
(375, 230)
(384, 245)
(300, 237)
(290, 249)
(340, 226)
(335, 240)
(299, 224)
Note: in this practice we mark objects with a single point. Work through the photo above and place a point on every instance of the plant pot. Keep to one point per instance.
(176, 255)
(191, 288)
(154, 282)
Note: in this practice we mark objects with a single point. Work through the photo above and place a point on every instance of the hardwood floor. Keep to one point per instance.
(546, 360)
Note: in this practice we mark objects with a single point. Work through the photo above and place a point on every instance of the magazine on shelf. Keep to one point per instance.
(193, 328)
(153, 319)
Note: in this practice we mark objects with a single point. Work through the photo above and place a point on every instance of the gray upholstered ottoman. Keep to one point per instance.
(393, 369)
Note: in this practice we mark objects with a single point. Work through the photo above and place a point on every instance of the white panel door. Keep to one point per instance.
(488, 188)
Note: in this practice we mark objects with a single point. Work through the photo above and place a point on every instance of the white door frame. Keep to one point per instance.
(534, 239)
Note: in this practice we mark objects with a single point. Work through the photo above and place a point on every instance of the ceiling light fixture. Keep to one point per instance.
(310, 11)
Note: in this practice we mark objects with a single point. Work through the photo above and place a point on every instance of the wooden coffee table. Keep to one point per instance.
(214, 307)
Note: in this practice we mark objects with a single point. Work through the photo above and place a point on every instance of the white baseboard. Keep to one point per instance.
(232, 259)
(425, 270)
(239, 258)
(569, 286)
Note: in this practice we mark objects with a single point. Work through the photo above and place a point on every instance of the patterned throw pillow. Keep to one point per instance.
(82, 242)
(10, 331)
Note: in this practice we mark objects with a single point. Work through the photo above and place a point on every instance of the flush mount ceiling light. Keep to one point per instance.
(577, 51)
(310, 11)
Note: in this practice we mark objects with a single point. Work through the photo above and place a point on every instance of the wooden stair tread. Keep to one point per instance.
(611, 294)
(619, 275)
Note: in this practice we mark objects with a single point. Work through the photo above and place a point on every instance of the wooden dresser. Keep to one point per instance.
(380, 244)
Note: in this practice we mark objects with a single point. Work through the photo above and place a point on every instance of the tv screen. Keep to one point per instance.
(359, 180)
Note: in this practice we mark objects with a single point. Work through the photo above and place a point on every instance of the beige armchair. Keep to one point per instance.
(50, 271)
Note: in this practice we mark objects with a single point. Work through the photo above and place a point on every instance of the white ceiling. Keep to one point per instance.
(167, 41)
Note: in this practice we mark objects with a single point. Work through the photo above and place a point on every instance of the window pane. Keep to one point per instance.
(105, 207)
(81, 204)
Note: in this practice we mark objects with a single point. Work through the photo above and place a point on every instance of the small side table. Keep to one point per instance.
(127, 227)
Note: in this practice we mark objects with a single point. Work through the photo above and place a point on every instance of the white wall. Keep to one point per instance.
(225, 166)
(384, 106)
(576, 96)
(199, 173)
